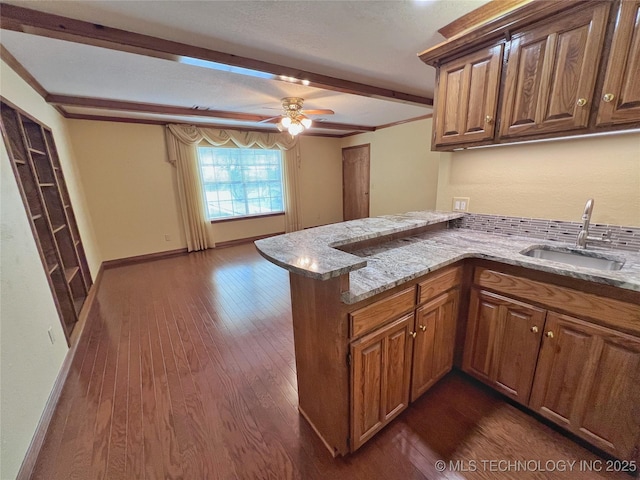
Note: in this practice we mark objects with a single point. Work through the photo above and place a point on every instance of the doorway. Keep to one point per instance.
(355, 182)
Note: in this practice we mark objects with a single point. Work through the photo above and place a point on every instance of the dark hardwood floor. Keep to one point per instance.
(186, 371)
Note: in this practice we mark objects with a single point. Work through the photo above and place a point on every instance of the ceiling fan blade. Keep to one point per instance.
(317, 112)
(269, 120)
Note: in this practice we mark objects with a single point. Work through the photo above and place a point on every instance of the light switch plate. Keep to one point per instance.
(460, 204)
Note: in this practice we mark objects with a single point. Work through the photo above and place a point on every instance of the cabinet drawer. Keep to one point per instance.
(607, 311)
(439, 283)
(371, 316)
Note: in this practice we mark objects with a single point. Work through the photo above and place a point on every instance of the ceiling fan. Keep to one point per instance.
(294, 119)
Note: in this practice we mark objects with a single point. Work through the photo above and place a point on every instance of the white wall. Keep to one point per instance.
(549, 180)
(29, 362)
(131, 188)
(404, 171)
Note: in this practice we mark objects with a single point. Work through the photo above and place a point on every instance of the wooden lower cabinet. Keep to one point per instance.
(588, 381)
(381, 367)
(434, 342)
(503, 338)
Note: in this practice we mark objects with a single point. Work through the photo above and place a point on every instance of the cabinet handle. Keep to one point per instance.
(550, 334)
(534, 329)
(423, 328)
(488, 119)
(607, 97)
(413, 334)
(581, 102)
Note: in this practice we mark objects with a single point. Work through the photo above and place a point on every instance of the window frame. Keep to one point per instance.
(239, 217)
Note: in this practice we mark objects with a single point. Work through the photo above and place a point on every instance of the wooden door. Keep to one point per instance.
(381, 363)
(588, 381)
(620, 98)
(551, 74)
(467, 98)
(435, 342)
(355, 182)
(503, 339)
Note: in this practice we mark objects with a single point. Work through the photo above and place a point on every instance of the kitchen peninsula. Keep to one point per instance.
(384, 307)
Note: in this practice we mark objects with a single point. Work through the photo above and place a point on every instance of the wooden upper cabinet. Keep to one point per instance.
(551, 74)
(467, 96)
(620, 98)
(503, 339)
(588, 380)
(381, 367)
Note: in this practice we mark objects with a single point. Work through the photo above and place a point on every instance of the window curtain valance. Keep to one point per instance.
(182, 145)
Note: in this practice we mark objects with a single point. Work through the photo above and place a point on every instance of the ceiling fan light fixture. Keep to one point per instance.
(286, 122)
(306, 122)
(295, 128)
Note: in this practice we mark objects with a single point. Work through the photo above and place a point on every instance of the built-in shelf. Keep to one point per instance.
(69, 273)
(77, 304)
(46, 200)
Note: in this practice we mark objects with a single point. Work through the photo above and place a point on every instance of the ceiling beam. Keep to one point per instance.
(150, 121)
(153, 108)
(25, 20)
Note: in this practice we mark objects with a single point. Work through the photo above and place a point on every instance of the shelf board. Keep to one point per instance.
(19, 162)
(36, 217)
(61, 227)
(67, 206)
(47, 184)
(69, 273)
(35, 150)
(77, 303)
(76, 242)
(53, 268)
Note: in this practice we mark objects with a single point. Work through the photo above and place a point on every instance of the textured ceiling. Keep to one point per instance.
(371, 42)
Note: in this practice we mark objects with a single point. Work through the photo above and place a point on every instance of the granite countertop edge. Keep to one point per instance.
(376, 269)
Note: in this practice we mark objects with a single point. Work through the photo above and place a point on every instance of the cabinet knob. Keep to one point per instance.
(581, 102)
(607, 97)
(550, 334)
(534, 329)
(423, 328)
(488, 119)
(413, 334)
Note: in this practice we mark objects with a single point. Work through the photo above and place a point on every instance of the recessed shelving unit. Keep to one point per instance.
(37, 169)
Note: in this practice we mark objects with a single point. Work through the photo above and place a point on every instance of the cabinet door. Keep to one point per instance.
(434, 342)
(551, 74)
(588, 381)
(381, 363)
(503, 339)
(620, 99)
(467, 98)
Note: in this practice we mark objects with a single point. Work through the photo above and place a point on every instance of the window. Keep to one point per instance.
(241, 182)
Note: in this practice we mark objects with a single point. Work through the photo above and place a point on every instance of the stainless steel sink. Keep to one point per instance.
(577, 258)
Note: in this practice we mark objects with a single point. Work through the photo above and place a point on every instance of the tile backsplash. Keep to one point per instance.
(623, 238)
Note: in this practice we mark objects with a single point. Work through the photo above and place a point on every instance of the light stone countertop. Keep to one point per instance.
(379, 268)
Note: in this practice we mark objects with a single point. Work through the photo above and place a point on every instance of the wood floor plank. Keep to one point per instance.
(188, 372)
(134, 460)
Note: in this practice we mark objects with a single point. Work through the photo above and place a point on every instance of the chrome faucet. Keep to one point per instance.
(583, 236)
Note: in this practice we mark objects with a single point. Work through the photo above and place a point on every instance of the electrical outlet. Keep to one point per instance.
(167, 237)
(51, 335)
(460, 204)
